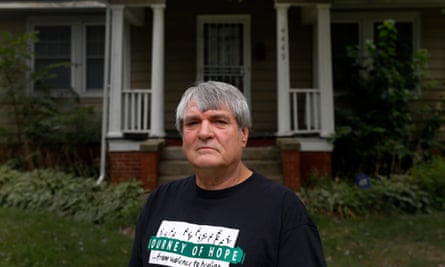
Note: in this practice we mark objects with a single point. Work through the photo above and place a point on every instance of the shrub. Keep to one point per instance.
(69, 196)
(430, 177)
(46, 128)
(420, 191)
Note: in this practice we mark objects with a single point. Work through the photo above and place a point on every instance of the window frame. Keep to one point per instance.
(366, 20)
(78, 67)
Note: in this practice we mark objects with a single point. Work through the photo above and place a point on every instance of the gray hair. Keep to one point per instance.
(215, 95)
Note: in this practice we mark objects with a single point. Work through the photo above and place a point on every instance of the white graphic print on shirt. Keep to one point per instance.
(179, 244)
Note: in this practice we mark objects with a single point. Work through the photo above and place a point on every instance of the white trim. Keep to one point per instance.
(157, 73)
(97, 92)
(116, 72)
(315, 144)
(78, 53)
(324, 70)
(239, 18)
(283, 70)
(121, 145)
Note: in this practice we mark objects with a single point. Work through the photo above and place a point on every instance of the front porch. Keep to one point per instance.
(303, 115)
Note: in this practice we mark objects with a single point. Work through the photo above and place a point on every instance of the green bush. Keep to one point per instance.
(430, 177)
(420, 191)
(69, 196)
(48, 129)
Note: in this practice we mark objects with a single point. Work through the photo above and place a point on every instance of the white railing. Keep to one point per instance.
(305, 110)
(136, 110)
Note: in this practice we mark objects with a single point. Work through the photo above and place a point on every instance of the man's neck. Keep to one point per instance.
(214, 179)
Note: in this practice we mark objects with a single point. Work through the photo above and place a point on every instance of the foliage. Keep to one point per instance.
(376, 130)
(422, 191)
(42, 120)
(69, 196)
(430, 177)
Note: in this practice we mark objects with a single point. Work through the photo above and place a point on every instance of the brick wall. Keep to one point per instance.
(319, 163)
(139, 165)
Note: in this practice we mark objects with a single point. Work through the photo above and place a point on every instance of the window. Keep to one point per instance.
(54, 47)
(76, 46)
(95, 43)
(354, 29)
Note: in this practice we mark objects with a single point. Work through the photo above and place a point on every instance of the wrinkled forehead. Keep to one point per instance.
(209, 104)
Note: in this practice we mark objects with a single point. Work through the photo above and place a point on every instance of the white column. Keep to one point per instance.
(283, 80)
(117, 41)
(324, 73)
(157, 73)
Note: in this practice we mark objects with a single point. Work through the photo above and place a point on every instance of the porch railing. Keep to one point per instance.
(305, 110)
(136, 110)
(304, 113)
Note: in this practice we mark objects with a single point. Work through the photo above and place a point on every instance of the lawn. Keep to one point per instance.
(378, 241)
(41, 239)
(44, 240)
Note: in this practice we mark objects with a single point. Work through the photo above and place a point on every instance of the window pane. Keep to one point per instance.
(223, 53)
(404, 43)
(53, 47)
(95, 44)
(95, 73)
(343, 35)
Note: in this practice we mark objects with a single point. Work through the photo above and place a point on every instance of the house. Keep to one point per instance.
(136, 57)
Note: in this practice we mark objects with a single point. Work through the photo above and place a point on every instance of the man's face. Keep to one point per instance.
(212, 139)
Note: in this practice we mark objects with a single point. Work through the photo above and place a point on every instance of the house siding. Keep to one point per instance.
(433, 39)
(180, 53)
(181, 57)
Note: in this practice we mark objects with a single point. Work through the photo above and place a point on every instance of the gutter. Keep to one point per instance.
(103, 143)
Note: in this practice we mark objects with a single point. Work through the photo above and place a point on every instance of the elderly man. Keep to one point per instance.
(225, 214)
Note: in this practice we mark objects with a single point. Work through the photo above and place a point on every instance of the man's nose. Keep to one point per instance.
(205, 131)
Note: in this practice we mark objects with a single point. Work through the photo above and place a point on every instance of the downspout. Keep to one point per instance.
(103, 143)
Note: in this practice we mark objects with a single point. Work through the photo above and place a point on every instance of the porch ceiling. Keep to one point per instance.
(52, 4)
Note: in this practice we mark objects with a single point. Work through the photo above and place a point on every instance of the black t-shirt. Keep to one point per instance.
(256, 223)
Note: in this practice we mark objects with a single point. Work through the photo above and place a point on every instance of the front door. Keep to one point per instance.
(224, 50)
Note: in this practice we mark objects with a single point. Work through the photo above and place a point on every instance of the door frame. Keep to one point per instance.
(242, 19)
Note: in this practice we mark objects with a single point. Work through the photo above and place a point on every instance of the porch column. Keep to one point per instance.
(283, 80)
(116, 61)
(157, 73)
(324, 73)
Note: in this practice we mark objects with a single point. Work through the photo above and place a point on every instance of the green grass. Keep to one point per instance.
(37, 239)
(402, 240)
(44, 240)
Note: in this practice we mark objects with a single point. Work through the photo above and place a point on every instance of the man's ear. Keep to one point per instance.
(244, 135)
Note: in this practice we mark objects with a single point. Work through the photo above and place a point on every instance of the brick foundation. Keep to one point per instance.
(299, 165)
(143, 165)
(317, 163)
(140, 165)
(125, 166)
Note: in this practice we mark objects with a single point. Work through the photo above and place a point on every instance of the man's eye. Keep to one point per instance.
(221, 123)
(191, 123)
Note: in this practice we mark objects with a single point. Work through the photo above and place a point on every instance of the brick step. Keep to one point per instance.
(249, 153)
(166, 179)
(265, 160)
